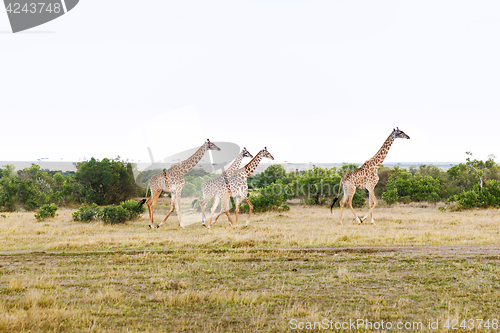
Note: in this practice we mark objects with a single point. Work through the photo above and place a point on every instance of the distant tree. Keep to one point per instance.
(8, 189)
(403, 186)
(196, 172)
(109, 181)
(464, 176)
(383, 175)
(346, 168)
(267, 177)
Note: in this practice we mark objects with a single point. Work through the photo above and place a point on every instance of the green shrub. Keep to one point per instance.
(266, 200)
(403, 186)
(133, 208)
(488, 196)
(104, 182)
(114, 214)
(267, 177)
(87, 213)
(189, 190)
(8, 193)
(127, 210)
(46, 211)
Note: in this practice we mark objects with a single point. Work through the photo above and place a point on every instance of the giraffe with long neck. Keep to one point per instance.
(172, 181)
(366, 177)
(237, 187)
(211, 186)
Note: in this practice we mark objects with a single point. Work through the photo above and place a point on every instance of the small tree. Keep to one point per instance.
(267, 177)
(105, 182)
(46, 211)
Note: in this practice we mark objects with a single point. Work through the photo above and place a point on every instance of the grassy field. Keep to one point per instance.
(285, 271)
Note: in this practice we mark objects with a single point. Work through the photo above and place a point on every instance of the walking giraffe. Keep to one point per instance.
(366, 177)
(237, 187)
(172, 180)
(210, 187)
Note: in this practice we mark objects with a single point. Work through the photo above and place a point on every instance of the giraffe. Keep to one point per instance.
(210, 187)
(366, 178)
(237, 187)
(172, 180)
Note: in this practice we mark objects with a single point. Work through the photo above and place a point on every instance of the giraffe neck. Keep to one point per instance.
(236, 163)
(191, 162)
(379, 157)
(252, 165)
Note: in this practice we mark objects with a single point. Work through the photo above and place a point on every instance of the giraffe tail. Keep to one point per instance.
(143, 201)
(194, 202)
(333, 203)
(335, 199)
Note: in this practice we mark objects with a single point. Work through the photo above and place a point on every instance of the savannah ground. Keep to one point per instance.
(287, 269)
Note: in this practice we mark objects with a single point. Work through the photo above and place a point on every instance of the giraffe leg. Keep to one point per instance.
(226, 208)
(179, 215)
(172, 204)
(229, 217)
(203, 205)
(349, 203)
(370, 203)
(238, 202)
(155, 194)
(372, 208)
(251, 208)
(342, 203)
(214, 206)
(225, 201)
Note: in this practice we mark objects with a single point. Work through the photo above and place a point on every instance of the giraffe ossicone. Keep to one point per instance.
(172, 181)
(366, 177)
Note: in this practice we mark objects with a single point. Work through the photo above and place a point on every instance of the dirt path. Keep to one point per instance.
(407, 250)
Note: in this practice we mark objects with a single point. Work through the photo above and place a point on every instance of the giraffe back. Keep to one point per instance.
(209, 188)
(237, 183)
(158, 182)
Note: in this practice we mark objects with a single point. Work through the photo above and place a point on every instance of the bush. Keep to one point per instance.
(267, 177)
(317, 186)
(404, 187)
(8, 193)
(269, 198)
(114, 214)
(127, 210)
(87, 213)
(46, 211)
(133, 208)
(489, 196)
(104, 182)
(263, 203)
(189, 190)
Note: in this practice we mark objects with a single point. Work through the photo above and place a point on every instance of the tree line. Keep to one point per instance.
(100, 182)
(475, 183)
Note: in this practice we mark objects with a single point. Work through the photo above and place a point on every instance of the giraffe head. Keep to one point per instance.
(246, 153)
(265, 154)
(399, 134)
(210, 146)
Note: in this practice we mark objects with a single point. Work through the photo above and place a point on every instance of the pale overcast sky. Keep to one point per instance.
(314, 81)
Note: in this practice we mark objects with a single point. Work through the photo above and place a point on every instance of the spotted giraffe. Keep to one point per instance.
(172, 181)
(210, 187)
(237, 187)
(366, 177)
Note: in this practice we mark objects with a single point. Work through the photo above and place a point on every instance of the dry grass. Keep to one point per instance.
(303, 226)
(65, 276)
